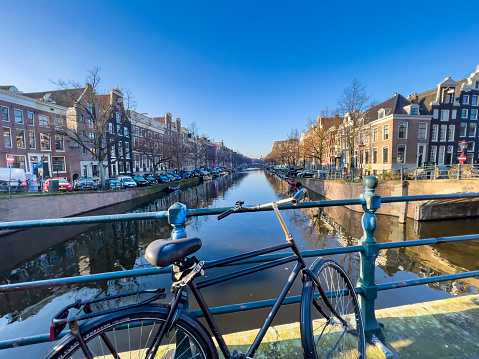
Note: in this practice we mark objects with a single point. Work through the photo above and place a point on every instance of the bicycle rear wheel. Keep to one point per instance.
(132, 336)
(323, 335)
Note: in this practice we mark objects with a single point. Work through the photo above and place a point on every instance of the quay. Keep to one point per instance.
(438, 329)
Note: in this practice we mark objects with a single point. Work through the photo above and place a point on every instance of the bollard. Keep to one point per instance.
(371, 203)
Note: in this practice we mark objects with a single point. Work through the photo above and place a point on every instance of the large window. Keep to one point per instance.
(385, 132)
(474, 101)
(59, 144)
(127, 150)
(435, 114)
(32, 139)
(454, 114)
(43, 121)
(31, 119)
(432, 154)
(464, 113)
(442, 136)
(402, 133)
(463, 130)
(5, 116)
(375, 135)
(20, 138)
(58, 164)
(7, 137)
(18, 161)
(422, 132)
(465, 100)
(470, 146)
(45, 142)
(474, 114)
(472, 130)
(444, 115)
(401, 157)
(450, 136)
(18, 116)
(440, 157)
(385, 154)
(435, 132)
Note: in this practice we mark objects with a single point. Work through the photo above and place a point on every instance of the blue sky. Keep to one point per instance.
(246, 72)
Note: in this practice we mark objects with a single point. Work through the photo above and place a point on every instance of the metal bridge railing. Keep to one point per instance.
(177, 215)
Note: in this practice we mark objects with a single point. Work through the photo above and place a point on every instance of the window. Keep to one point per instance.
(137, 131)
(18, 116)
(435, 132)
(127, 149)
(120, 149)
(463, 130)
(450, 136)
(90, 123)
(474, 114)
(59, 144)
(470, 158)
(127, 168)
(91, 135)
(89, 107)
(465, 100)
(442, 136)
(422, 131)
(385, 154)
(444, 115)
(5, 116)
(375, 134)
(402, 133)
(474, 101)
(58, 164)
(385, 132)
(110, 128)
(472, 130)
(18, 161)
(31, 119)
(401, 157)
(414, 111)
(464, 113)
(82, 118)
(440, 157)
(470, 146)
(432, 154)
(20, 138)
(32, 139)
(57, 122)
(126, 132)
(44, 142)
(375, 155)
(118, 118)
(7, 137)
(435, 114)
(43, 121)
(453, 114)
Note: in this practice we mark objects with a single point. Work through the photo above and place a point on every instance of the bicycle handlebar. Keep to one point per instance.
(294, 200)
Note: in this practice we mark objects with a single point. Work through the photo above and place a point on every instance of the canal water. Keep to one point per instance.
(45, 253)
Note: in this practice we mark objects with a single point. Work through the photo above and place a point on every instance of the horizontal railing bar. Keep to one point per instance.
(214, 211)
(58, 282)
(428, 241)
(421, 281)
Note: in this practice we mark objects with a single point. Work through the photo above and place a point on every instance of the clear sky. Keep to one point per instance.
(246, 72)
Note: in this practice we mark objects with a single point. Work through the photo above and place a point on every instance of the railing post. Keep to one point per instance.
(401, 174)
(371, 203)
(177, 218)
(459, 171)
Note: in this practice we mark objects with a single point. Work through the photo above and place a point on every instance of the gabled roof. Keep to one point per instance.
(396, 105)
(65, 98)
(426, 98)
(10, 88)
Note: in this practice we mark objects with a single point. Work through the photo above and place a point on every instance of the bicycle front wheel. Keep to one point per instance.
(323, 334)
(132, 336)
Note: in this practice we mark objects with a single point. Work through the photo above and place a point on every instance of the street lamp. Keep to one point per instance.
(360, 147)
(462, 158)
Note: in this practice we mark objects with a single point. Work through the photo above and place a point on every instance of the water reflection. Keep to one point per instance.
(89, 249)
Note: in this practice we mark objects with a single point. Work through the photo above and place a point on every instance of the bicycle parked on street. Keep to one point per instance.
(330, 318)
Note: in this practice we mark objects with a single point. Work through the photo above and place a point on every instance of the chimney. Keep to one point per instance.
(336, 116)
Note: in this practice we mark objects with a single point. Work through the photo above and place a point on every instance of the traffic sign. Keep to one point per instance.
(10, 159)
(462, 158)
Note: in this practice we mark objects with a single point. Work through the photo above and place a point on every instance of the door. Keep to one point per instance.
(421, 154)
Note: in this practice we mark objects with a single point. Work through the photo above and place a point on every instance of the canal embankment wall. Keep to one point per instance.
(418, 210)
(48, 205)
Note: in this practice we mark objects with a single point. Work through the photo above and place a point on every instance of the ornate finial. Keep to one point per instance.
(370, 182)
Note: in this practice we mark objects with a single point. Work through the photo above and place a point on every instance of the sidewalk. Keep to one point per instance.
(439, 329)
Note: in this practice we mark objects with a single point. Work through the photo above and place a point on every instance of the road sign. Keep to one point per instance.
(462, 158)
(10, 159)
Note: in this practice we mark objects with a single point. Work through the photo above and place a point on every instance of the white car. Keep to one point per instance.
(127, 182)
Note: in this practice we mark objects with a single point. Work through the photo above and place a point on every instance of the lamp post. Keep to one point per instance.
(360, 147)
(10, 160)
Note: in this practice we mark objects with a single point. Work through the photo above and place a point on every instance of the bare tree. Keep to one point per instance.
(314, 142)
(95, 122)
(195, 147)
(352, 102)
(293, 150)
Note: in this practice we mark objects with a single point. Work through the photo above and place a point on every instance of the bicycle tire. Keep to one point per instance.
(132, 334)
(323, 338)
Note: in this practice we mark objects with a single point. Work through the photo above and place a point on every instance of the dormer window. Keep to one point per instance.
(381, 113)
(447, 95)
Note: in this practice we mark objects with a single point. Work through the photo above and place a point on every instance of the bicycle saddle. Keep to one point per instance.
(164, 252)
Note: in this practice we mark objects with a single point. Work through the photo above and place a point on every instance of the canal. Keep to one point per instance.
(45, 253)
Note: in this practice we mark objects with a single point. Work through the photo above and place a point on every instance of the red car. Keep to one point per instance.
(63, 184)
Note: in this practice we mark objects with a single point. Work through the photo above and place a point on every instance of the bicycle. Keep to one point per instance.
(331, 323)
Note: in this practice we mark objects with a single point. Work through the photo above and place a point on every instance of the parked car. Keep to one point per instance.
(84, 184)
(162, 179)
(184, 175)
(127, 182)
(170, 177)
(151, 180)
(305, 174)
(177, 176)
(63, 185)
(112, 183)
(141, 182)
